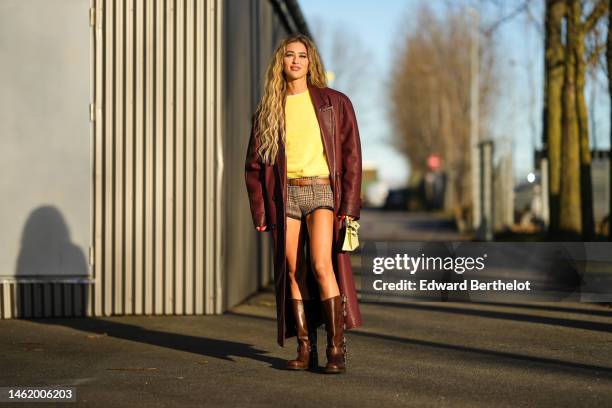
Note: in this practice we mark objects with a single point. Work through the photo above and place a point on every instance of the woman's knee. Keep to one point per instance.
(296, 272)
(322, 268)
(291, 272)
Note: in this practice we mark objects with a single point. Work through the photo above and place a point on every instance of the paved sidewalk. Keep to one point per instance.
(406, 354)
(414, 354)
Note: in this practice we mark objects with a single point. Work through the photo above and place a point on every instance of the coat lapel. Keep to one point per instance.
(325, 117)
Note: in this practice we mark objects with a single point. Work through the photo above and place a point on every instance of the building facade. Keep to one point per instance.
(124, 129)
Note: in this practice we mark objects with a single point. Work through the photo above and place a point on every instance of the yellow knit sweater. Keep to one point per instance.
(304, 146)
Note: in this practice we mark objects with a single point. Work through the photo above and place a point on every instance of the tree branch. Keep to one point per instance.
(534, 20)
(595, 55)
(600, 9)
(520, 9)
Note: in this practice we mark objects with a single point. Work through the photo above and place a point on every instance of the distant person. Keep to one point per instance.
(304, 163)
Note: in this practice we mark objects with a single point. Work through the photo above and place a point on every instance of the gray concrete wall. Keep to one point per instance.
(45, 132)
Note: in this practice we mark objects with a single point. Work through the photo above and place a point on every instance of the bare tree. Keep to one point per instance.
(348, 60)
(570, 160)
(430, 96)
(554, 74)
(584, 28)
(609, 64)
(570, 218)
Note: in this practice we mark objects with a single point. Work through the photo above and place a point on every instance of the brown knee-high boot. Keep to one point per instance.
(333, 310)
(307, 354)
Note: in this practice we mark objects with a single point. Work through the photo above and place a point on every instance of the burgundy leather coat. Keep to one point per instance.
(267, 189)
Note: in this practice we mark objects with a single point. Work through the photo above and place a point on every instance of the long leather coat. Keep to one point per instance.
(267, 189)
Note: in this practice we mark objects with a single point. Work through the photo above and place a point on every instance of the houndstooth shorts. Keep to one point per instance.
(302, 200)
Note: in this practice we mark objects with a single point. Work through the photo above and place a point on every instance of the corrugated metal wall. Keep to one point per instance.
(35, 299)
(158, 163)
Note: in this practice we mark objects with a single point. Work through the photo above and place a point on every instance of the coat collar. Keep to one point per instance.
(318, 96)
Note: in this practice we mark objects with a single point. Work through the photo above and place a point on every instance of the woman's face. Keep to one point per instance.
(295, 61)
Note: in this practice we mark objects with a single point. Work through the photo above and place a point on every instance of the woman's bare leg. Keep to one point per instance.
(320, 224)
(296, 270)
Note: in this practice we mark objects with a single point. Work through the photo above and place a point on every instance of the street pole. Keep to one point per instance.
(486, 189)
(474, 121)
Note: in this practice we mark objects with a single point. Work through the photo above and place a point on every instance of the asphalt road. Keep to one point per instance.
(423, 354)
(414, 354)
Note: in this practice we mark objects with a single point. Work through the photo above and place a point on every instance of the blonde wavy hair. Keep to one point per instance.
(270, 113)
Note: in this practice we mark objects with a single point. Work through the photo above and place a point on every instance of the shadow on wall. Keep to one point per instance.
(50, 270)
(46, 249)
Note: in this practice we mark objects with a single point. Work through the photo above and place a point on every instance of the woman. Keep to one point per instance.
(303, 163)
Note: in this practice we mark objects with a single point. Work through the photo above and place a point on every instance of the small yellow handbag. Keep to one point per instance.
(351, 239)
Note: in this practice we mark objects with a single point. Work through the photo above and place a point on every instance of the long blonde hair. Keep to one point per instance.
(270, 113)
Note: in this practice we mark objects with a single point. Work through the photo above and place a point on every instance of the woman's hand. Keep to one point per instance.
(342, 217)
(262, 228)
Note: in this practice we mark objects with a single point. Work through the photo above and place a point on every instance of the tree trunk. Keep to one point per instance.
(554, 72)
(609, 58)
(570, 222)
(586, 184)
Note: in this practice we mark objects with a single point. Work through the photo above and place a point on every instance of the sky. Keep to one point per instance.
(378, 27)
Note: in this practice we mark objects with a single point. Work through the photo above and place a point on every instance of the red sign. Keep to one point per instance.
(434, 162)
